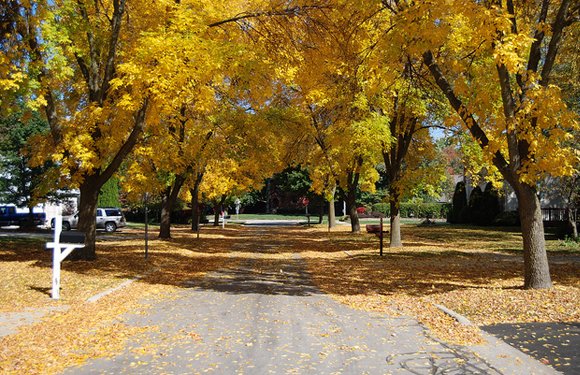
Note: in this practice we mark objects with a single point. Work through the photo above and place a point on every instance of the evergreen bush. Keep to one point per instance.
(109, 194)
(459, 205)
(484, 206)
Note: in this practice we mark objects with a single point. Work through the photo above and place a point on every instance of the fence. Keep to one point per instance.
(558, 214)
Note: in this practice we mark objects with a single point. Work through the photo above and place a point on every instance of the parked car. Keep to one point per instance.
(108, 218)
(9, 216)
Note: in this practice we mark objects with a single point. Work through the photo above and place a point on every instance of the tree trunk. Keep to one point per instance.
(331, 211)
(321, 212)
(167, 203)
(395, 221)
(195, 212)
(30, 221)
(165, 218)
(536, 268)
(216, 214)
(352, 185)
(351, 208)
(331, 214)
(268, 203)
(218, 208)
(89, 197)
(571, 223)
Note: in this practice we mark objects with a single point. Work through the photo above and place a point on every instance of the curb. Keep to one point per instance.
(124, 284)
(460, 318)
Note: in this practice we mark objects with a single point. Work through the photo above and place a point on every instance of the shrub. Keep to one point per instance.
(457, 213)
(483, 205)
(383, 208)
(424, 210)
(416, 209)
(507, 219)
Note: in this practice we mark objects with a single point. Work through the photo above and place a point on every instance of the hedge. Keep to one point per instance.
(416, 209)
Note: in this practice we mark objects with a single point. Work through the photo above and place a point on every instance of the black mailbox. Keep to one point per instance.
(72, 237)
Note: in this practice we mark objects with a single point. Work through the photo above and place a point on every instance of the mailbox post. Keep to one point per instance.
(62, 246)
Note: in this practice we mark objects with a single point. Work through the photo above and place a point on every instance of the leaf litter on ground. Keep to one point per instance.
(476, 272)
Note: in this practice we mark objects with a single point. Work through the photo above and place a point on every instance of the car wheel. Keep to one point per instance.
(65, 225)
(110, 227)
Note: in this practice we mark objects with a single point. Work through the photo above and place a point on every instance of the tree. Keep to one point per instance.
(19, 181)
(247, 150)
(409, 157)
(366, 140)
(328, 78)
(494, 61)
(73, 52)
(393, 88)
(107, 65)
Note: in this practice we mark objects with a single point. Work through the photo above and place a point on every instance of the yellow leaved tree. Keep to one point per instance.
(494, 63)
(74, 50)
(327, 52)
(410, 110)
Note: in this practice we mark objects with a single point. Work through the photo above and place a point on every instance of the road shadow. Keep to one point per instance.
(555, 344)
(259, 277)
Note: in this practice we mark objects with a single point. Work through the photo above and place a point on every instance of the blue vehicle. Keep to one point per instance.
(9, 216)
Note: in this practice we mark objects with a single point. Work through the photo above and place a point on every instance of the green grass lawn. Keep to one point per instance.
(441, 232)
(270, 217)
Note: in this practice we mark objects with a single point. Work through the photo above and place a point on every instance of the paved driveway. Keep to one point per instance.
(260, 319)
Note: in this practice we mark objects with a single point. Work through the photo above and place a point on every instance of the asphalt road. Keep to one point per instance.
(255, 319)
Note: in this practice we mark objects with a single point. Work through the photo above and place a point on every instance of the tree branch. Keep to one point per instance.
(119, 10)
(468, 118)
(92, 75)
(557, 31)
(535, 50)
(291, 12)
(128, 145)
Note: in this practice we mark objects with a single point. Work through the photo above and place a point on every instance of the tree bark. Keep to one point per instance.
(89, 197)
(167, 203)
(571, 222)
(331, 213)
(216, 214)
(395, 220)
(351, 208)
(218, 208)
(165, 217)
(536, 267)
(195, 213)
(268, 203)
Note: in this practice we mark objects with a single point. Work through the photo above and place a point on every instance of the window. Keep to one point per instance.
(113, 212)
